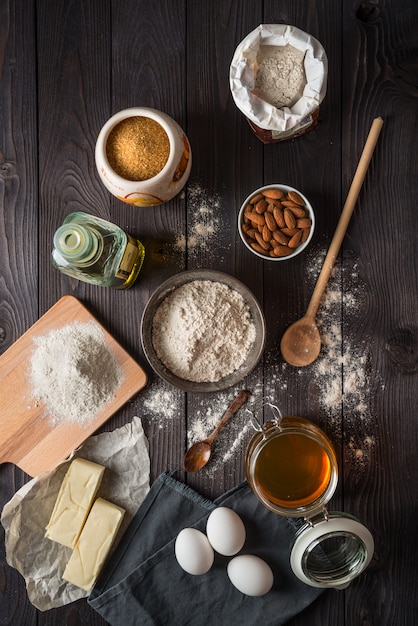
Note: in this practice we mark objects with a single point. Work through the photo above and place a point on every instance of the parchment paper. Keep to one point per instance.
(124, 453)
(242, 76)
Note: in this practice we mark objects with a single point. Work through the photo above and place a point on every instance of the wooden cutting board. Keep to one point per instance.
(27, 437)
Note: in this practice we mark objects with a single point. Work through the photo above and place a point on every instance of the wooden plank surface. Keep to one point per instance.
(65, 67)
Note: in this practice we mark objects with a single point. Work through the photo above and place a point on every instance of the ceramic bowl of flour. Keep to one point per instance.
(202, 331)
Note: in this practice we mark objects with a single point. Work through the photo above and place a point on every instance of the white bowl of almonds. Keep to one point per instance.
(276, 222)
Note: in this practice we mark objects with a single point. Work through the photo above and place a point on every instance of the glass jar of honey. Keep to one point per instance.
(292, 468)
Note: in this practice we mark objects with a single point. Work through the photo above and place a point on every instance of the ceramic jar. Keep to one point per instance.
(162, 186)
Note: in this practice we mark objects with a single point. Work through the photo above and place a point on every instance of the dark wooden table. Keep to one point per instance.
(65, 68)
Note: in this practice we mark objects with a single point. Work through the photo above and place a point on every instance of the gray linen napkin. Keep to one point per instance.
(143, 585)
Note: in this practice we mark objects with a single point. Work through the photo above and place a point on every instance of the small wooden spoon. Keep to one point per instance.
(198, 455)
(301, 343)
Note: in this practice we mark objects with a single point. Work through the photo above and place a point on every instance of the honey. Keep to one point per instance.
(292, 470)
(291, 466)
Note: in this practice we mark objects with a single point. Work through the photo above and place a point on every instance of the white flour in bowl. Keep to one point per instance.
(203, 331)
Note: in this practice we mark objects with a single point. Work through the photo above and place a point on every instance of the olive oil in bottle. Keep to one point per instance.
(96, 251)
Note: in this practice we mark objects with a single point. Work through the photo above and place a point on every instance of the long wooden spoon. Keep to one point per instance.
(198, 455)
(301, 342)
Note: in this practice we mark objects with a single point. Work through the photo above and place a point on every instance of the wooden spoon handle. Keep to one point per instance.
(345, 216)
(231, 410)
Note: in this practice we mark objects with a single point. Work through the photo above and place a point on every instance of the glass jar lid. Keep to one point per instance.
(331, 550)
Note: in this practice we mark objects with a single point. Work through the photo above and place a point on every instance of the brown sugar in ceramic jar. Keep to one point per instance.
(143, 157)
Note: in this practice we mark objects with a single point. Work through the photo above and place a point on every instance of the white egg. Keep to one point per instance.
(193, 551)
(225, 530)
(250, 575)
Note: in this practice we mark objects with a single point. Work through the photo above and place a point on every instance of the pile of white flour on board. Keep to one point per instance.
(73, 372)
(203, 331)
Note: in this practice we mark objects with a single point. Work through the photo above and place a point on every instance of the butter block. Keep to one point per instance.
(94, 544)
(74, 500)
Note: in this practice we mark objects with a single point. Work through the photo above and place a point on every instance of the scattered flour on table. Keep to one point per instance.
(160, 403)
(73, 372)
(160, 407)
(204, 219)
(341, 373)
(339, 355)
(203, 331)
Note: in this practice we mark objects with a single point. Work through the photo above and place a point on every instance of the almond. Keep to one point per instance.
(273, 193)
(289, 203)
(257, 248)
(256, 218)
(298, 211)
(295, 240)
(305, 234)
(289, 231)
(281, 250)
(261, 206)
(270, 221)
(289, 218)
(256, 198)
(278, 216)
(261, 241)
(296, 198)
(280, 237)
(303, 223)
(266, 234)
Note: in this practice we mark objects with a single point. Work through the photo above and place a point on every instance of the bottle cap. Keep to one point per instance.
(78, 244)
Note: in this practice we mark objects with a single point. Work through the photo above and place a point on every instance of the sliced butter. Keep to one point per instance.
(75, 497)
(94, 544)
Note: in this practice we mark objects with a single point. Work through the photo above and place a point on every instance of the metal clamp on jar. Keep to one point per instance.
(292, 469)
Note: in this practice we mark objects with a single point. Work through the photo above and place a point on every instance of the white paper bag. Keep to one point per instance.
(276, 124)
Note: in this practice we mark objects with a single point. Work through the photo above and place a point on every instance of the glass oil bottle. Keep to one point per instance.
(96, 251)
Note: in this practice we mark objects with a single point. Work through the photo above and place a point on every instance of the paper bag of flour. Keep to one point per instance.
(278, 79)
